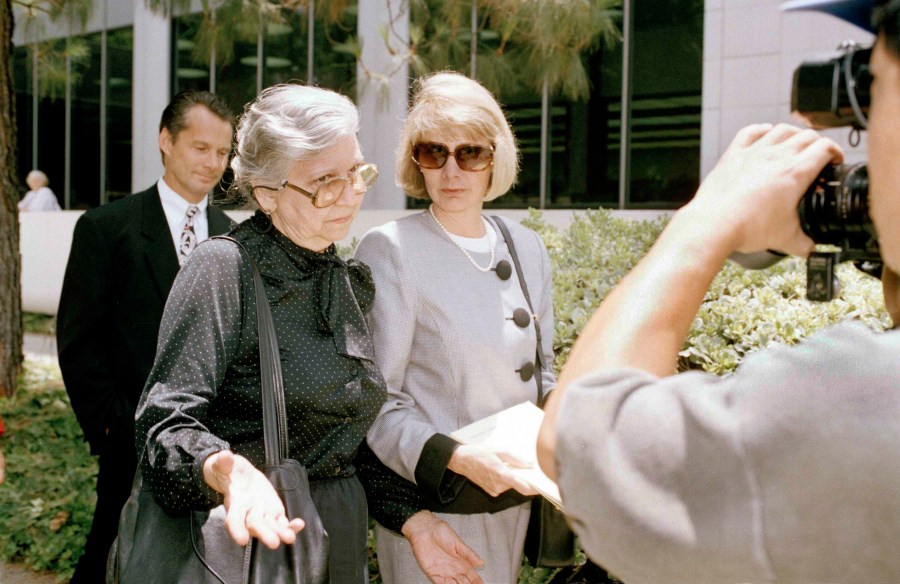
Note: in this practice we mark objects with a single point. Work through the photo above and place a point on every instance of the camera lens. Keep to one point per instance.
(835, 210)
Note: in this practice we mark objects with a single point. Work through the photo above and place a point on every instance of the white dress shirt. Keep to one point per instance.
(175, 208)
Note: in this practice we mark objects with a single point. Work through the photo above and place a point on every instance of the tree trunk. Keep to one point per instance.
(10, 260)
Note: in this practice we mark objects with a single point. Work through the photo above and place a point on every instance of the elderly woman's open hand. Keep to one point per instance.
(253, 507)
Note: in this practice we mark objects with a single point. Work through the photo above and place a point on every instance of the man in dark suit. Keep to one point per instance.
(124, 258)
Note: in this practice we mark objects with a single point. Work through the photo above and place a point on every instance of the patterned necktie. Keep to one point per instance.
(188, 237)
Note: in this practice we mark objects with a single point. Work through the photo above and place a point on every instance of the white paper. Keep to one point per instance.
(514, 430)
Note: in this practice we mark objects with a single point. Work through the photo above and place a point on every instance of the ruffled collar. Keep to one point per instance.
(335, 281)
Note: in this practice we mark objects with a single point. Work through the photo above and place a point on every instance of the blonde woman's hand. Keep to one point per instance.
(252, 506)
(441, 553)
(490, 470)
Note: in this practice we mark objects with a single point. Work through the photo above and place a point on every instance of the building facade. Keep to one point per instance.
(665, 98)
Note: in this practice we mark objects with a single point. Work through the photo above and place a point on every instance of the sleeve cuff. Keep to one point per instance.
(213, 497)
(432, 475)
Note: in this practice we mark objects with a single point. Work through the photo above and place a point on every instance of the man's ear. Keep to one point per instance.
(165, 141)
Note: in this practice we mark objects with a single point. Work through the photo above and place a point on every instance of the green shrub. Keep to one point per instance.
(48, 497)
(744, 310)
(44, 324)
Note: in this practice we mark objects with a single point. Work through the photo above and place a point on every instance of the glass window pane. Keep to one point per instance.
(189, 70)
(666, 102)
(120, 46)
(52, 113)
(85, 137)
(236, 80)
(22, 79)
(286, 49)
(523, 110)
(334, 67)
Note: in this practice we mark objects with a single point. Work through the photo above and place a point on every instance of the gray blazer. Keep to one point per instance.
(443, 333)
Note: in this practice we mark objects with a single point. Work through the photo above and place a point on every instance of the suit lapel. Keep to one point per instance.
(159, 250)
(219, 222)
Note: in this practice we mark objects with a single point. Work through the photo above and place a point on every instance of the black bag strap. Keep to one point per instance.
(275, 435)
(539, 355)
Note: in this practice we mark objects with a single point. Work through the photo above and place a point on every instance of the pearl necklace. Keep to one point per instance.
(461, 248)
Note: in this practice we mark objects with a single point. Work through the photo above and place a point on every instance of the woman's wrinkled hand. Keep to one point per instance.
(252, 506)
(442, 555)
(490, 470)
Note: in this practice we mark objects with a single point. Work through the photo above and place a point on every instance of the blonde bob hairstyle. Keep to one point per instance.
(452, 105)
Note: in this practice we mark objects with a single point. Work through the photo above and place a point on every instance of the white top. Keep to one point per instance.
(481, 244)
(175, 208)
(41, 199)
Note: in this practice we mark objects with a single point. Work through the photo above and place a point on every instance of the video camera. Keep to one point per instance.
(834, 210)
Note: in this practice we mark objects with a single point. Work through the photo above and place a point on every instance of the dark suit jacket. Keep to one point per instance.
(120, 270)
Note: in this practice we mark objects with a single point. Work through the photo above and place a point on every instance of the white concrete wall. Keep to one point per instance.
(750, 51)
(46, 238)
(381, 87)
(151, 94)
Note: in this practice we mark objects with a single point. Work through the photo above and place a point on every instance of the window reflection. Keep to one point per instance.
(51, 136)
(84, 166)
(334, 65)
(285, 49)
(22, 80)
(666, 103)
(188, 72)
(120, 46)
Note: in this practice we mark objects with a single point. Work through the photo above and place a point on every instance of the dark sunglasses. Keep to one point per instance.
(469, 157)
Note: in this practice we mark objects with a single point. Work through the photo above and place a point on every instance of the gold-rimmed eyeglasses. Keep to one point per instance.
(360, 180)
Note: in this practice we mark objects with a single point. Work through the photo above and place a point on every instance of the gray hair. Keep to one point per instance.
(286, 124)
(39, 176)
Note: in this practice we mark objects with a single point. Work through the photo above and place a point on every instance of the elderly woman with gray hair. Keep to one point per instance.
(200, 418)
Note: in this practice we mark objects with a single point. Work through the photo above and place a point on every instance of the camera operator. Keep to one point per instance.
(788, 470)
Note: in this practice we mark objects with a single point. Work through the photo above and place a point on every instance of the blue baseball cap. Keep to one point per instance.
(858, 12)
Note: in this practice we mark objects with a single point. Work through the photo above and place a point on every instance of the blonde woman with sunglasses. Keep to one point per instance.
(449, 344)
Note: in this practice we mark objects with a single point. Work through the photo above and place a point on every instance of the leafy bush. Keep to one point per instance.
(33, 322)
(744, 310)
(48, 498)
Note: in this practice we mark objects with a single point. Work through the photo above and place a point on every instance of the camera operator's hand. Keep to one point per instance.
(752, 193)
(748, 203)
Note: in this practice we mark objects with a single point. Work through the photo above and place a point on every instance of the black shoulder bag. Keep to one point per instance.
(548, 542)
(155, 545)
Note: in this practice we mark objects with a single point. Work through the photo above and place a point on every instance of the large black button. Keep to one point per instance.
(504, 270)
(521, 317)
(526, 372)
